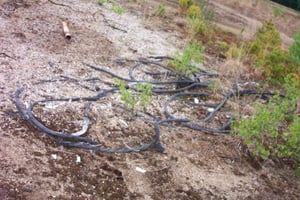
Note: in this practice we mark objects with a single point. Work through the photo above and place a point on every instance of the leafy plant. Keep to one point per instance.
(267, 40)
(194, 11)
(131, 98)
(145, 97)
(198, 20)
(277, 12)
(275, 66)
(274, 128)
(183, 62)
(235, 52)
(197, 26)
(161, 9)
(185, 4)
(294, 50)
(117, 9)
(127, 95)
(268, 56)
(223, 46)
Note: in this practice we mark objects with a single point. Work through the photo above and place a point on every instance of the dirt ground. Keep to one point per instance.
(195, 165)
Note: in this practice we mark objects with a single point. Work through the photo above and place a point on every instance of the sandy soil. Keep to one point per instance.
(195, 166)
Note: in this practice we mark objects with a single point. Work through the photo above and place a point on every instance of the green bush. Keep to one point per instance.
(117, 9)
(274, 129)
(161, 9)
(131, 98)
(185, 4)
(183, 62)
(127, 95)
(275, 66)
(294, 50)
(223, 46)
(267, 39)
(268, 56)
(278, 12)
(197, 26)
(194, 11)
(145, 96)
(234, 52)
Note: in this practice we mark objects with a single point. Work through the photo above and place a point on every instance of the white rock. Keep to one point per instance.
(138, 169)
(54, 156)
(78, 159)
(210, 109)
(124, 123)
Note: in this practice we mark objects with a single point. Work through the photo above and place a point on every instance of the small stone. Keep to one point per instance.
(54, 156)
(138, 169)
(210, 109)
(78, 159)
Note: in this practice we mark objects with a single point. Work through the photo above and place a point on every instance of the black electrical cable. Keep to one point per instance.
(83, 142)
(159, 87)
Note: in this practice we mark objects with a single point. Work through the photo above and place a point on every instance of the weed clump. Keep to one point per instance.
(185, 4)
(161, 9)
(267, 40)
(142, 96)
(117, 9)
(268, 56)
(197, 26)
(184, 62)
(274, 128)
(294, 50)
(234, 52)
(194, 11)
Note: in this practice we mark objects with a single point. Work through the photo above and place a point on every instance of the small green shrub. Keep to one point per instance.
(117, 9)
(275, 66)
(223, 46)
(291, 146)
(145, 97)
(194, 11)
(183, 62)
(161, 9)
(234, 52)
(278, 12)
(185, 4)
(294, 50)
(274, 128)
(127, 95)
(197, 26)
(268, 56)
(267, 39)
(131, 98)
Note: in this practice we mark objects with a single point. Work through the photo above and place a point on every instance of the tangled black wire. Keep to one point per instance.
(183, 85)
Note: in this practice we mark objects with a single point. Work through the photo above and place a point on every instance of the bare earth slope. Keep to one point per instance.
(195, 166)
(249, 14)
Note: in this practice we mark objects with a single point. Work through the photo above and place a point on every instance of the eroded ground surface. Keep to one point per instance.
(195, 165)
